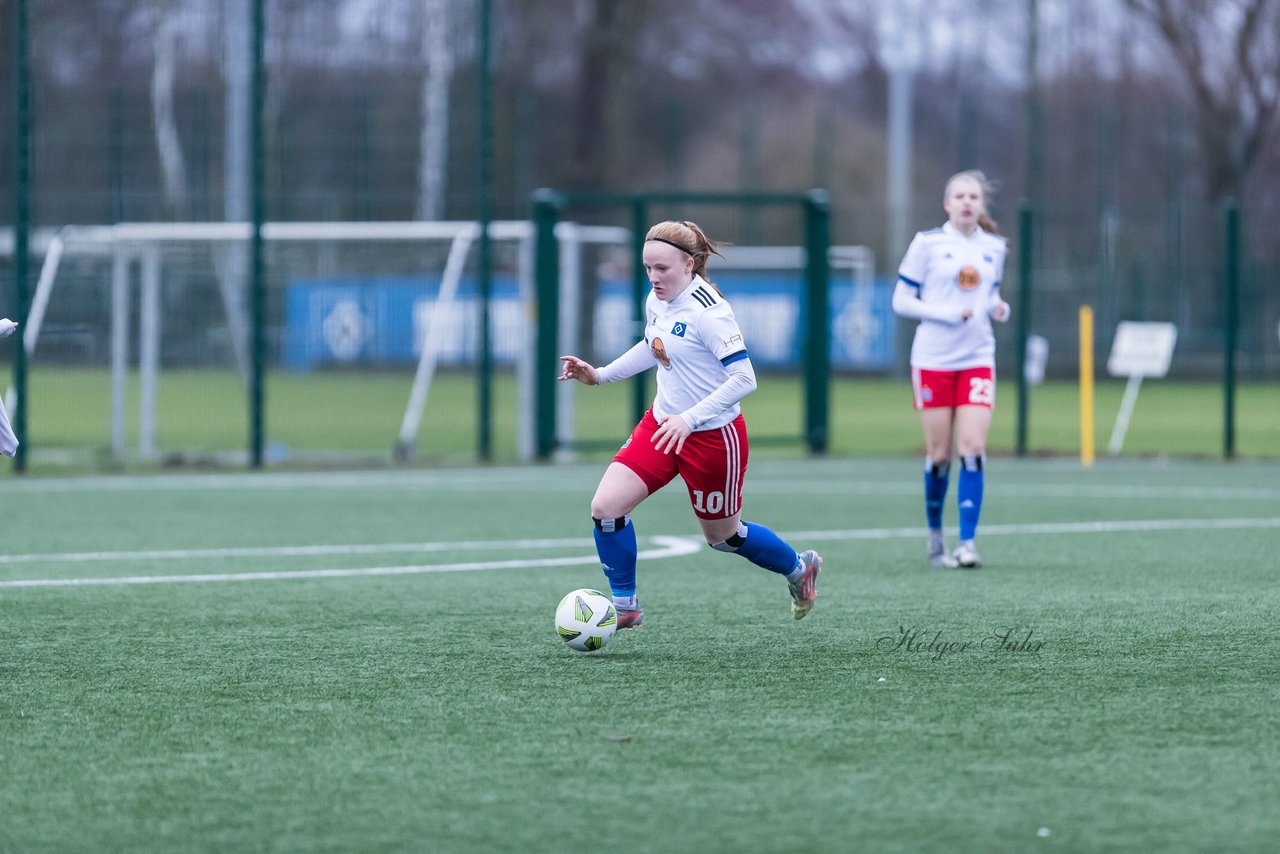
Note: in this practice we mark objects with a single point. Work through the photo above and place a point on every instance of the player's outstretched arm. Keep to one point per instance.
(577, 369)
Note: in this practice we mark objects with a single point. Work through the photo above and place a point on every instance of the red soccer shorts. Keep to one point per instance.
(949, 389)
(712, 464)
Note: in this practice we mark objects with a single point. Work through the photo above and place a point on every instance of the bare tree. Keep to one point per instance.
(173, 164)
(1228, 54)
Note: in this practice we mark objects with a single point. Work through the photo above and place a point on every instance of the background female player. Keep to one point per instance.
(8, 441)
(949, 280)
(694, 428)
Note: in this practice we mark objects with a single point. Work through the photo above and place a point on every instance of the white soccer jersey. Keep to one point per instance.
(945, 268)
(693, 338)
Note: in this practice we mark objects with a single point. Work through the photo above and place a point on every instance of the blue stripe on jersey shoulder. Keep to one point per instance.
(937, 230)
(912, 282)
(733, 357)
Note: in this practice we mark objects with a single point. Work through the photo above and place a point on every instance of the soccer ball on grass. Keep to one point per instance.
(585, 619)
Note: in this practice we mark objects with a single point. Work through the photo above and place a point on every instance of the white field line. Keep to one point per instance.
(1050, 528)
(297, 551)
(669, 546)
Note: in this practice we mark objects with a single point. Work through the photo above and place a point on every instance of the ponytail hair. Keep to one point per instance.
(690, 239)
(985, 221)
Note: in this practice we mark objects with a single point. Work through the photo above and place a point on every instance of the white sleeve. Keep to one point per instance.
(995, 305)
(630, 363)
(907, 303)
(740, 383)
(915, 262)
(996, 301)
(8, 441)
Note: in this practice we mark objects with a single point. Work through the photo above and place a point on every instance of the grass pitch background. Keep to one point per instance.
(437, 710)
(354, 418)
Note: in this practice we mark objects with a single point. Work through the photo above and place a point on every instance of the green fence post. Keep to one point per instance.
(546, 270)
(1230, 322)
(639, 293)
(21, 222)
(257, 262)
(1025, 255)
(817, 351)
(484, 269)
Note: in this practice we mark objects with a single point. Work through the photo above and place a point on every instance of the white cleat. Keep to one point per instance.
(939, 558)
(942, 560)
(966, 557)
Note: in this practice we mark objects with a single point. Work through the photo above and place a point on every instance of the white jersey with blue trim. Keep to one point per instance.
(947, 268)
(693, 338)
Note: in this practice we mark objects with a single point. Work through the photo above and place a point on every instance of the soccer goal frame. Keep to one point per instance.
(134, 253)
(548, 206)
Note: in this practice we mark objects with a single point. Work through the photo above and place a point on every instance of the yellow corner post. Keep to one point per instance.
(1086, 385)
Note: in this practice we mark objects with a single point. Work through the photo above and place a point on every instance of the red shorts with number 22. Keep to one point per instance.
(949, 389)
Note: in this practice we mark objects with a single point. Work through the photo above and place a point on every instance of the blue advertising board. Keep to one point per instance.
(383, 320)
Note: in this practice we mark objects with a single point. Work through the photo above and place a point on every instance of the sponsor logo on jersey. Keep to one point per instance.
(659, 351)
(968, 278)
(678, 329)
(729, 342)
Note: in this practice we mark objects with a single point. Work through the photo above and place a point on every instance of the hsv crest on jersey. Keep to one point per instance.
(678, 329)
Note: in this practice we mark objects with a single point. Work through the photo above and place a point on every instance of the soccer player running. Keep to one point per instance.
(694, 428)
(949, 280)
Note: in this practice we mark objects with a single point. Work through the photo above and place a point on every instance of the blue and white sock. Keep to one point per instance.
(764, 548)
(936, 477)
(616, 546)
(969, 495)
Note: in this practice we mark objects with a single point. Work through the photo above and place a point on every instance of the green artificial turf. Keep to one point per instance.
(437, 710)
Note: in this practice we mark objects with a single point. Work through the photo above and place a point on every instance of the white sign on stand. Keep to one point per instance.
(1139, 350)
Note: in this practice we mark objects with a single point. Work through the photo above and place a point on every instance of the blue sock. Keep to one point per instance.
(616, 546)
(969, 495)
(936, 476)
(762, 547)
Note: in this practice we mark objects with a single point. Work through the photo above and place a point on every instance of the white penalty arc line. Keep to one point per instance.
(669, 546)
